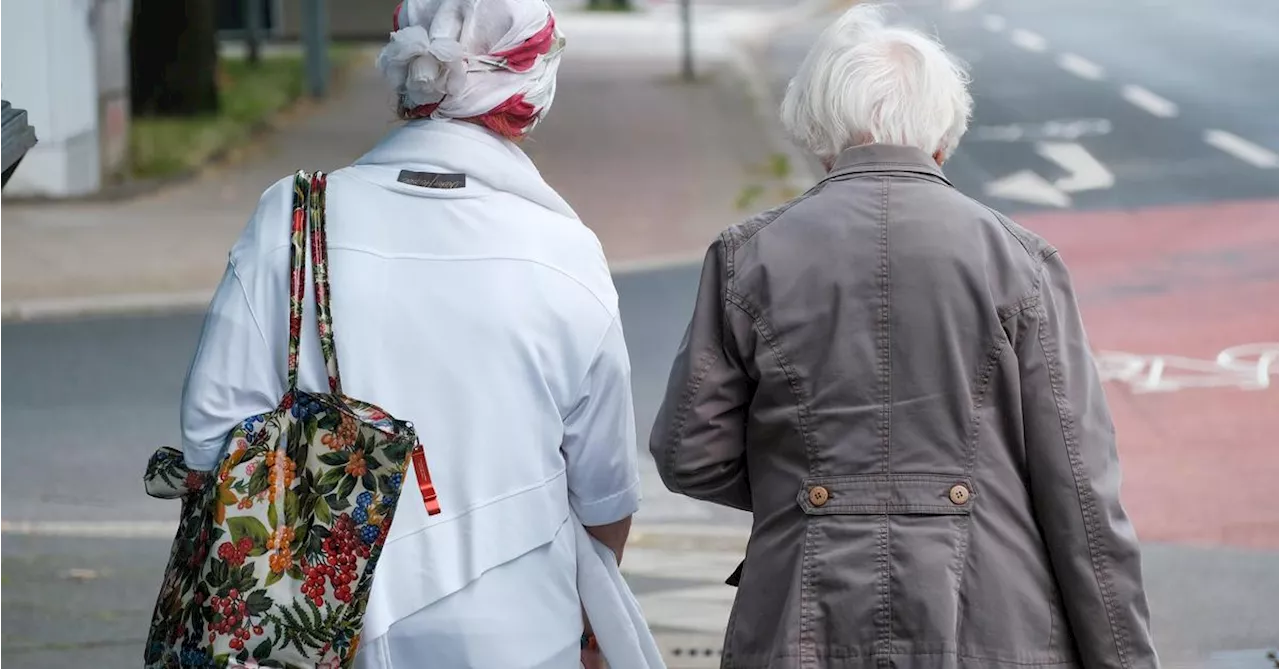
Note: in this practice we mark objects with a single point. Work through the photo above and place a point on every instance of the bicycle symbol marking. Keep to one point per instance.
(1245, 367)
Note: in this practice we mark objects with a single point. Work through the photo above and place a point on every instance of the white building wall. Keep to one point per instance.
(48, 56)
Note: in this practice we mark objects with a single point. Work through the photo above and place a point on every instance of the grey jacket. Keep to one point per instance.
(895, 381)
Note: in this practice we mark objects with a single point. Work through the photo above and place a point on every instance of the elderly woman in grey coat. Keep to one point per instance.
(895, 381)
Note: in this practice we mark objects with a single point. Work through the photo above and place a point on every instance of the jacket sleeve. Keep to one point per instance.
(1074, 479)
(233, 375)
(600, 438)
(698, 438)
(238, 371)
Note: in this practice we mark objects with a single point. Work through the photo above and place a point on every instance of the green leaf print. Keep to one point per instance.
(336, 458)
(258, 602)
(258, 482)
(245, 526)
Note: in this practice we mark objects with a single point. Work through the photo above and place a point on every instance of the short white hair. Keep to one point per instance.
(868, 82)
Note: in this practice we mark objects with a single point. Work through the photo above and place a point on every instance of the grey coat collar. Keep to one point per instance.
(871, 158)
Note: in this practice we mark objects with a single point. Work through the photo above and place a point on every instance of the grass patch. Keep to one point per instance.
(609, 6)
(167, 146)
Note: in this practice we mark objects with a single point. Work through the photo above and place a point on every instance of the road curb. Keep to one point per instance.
(130, 304)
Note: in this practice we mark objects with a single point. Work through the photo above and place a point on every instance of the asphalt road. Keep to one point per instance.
(89, 399)
(1142, 90)
(1147, 92)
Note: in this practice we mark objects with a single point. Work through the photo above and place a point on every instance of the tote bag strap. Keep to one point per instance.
(308, 220)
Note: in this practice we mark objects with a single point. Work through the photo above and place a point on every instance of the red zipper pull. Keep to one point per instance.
(425, 486)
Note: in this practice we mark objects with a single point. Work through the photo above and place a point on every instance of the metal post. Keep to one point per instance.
(253, 29)
(686, 20)
(315, 38)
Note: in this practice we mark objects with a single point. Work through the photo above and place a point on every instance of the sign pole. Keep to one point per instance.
(315, 39)
(686, 20)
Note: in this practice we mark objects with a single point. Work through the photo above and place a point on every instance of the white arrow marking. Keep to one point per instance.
(963, 5)
(1084, 172)
(1028, 186)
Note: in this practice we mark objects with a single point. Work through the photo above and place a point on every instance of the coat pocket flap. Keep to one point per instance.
(875, 494)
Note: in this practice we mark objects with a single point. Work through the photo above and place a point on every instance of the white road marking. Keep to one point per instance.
(1028, 40)
(1027, 186)
(1080, 66)
(141, 529)
(1149, 102)
(1247, 367)
(993, 22)
(962, 5)
(1084, 172)
(1241, 148)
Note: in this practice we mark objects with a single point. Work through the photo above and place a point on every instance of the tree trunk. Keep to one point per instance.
(173, 53)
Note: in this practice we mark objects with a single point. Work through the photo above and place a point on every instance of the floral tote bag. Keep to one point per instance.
(277, 549)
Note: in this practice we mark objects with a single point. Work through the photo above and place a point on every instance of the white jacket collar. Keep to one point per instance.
(455, 146)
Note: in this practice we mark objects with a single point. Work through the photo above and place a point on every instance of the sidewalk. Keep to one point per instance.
(654, 165)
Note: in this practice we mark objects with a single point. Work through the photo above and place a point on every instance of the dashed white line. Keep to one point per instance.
(1028, 40)
(1080, 66)
(1149, 102)
(1241, 148)
(993, 22)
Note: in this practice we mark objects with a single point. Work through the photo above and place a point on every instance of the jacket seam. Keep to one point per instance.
(797, 393)
(979, 396)
(883, 336)
(257, 325)
(1088, 505)
(610, 311)
(754, 225)
(1032, 298)
(925, 177)
(919, 477)
(595, 352)
(884, 372)
(888, 509)
(708, 358)
(854, 652)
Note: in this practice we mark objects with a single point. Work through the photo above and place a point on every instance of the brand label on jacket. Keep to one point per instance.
(432, 179)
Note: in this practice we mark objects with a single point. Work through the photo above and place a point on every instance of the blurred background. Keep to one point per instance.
(1139, 137)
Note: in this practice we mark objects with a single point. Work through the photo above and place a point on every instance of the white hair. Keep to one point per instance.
(868, 82)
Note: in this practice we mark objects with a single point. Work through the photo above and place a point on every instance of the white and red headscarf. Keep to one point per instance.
(491, 60)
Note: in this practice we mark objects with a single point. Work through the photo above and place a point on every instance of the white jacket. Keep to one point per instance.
(485, 314)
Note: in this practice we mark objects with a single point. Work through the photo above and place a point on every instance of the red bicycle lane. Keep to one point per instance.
(1164, 291)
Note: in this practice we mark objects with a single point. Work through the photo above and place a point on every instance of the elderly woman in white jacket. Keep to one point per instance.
(469, 299)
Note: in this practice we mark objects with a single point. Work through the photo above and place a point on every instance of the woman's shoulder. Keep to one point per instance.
(266, 232)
